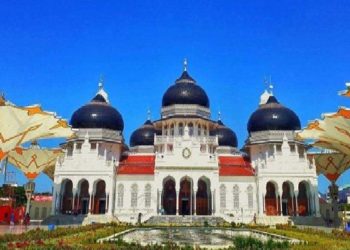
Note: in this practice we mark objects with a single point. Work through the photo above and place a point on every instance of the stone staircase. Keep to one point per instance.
(78, 219)
(295, 220)
(308, 221)
(272, 220)
(177, 220)
(99, 218)
(63, 219)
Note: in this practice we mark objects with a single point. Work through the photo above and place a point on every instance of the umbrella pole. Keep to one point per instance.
(334, 195)
(4, 163)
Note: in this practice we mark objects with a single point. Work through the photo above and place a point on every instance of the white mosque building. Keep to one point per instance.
(185, 163)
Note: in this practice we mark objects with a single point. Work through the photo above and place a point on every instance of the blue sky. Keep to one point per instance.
(53, 53)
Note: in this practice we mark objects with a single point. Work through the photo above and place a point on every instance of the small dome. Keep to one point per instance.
(143, 136)
(225, 135)
(273, 116)
(98, 113)
(185, 91)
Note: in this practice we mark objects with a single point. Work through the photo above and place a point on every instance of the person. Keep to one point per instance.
(254, 219)
(12, 221)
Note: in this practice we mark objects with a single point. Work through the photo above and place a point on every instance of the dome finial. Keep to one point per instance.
(148, 114)
(100, 82)
(270, 87)
(101, 91)
(185, 64)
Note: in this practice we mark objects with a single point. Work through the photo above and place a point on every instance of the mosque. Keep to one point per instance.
(185, 163)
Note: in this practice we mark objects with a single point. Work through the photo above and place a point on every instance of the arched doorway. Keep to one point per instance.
(84, 197)
(186, 197)
(67, 197)
(287, 199)
(169, 196)
(271, 201)
(303, 205)
(100, 202)
(203, 197)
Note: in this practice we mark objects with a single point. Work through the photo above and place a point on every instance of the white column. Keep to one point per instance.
(276, 195)
(261, 203)
(212, 203)
(177, 201)
(54, 202)
(293, 207)
(195, 202)
(158, 207)
(108, 201)
(317, 204)
(73, 201)
(296, 203)
(90, 199)
(78, 201)
(281, 212)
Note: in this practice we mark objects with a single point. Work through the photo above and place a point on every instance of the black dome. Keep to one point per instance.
(185, 91)
(143, 136)
(225, 135)
(97, 114)
(273, 116)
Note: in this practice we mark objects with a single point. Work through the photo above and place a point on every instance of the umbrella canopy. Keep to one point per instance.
(32, 161)
(346, 92)
(330, 163)
(22, 124)
(332, 132)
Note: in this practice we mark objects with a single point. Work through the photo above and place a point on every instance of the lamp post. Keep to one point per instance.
(29, 189)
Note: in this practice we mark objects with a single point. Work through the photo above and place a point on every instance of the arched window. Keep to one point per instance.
(236, 197)
(190, 129)
(181, 129)
(148, 195)
(222, 196)
(134, 195)
(120, 195)
(199, 130)
(250, 196)
(166, 130)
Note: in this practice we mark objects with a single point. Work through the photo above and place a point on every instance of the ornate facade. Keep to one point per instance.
(185, 163)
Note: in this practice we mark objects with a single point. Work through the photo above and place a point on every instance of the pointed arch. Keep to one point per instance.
(223, 196)
(134, 194)
(148, 192)
(250, 193)
(120, 195)
(235, 197)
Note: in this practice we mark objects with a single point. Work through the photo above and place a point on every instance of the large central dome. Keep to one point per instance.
(185, 91)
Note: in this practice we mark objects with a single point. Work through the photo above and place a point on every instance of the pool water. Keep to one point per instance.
(204, 237)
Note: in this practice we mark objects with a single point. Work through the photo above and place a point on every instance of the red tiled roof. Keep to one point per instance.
(137, 164)
(234, 166)
(42, 198)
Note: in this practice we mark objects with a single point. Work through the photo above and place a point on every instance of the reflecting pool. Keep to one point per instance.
(203, 237)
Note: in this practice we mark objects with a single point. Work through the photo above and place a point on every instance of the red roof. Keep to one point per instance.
(234, 166)
(42, 198)
(137, 165)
